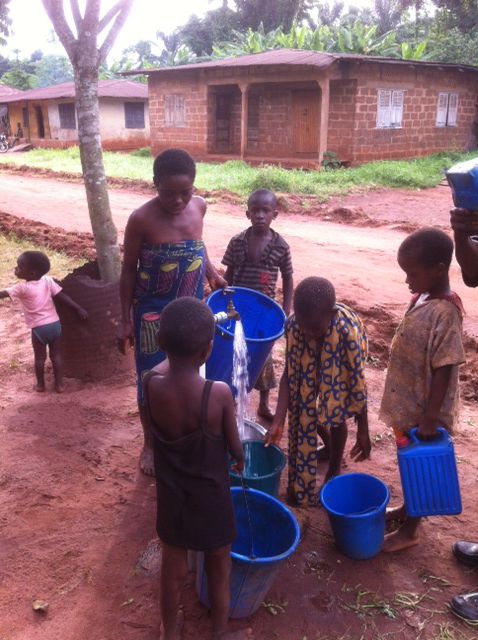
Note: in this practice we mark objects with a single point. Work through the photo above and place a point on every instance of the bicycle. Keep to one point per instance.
(6, 144)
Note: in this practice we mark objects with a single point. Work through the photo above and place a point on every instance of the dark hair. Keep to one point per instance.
(37, 261)
(430, 246)
(174, 162)
(186, 326)
(312, 295)
(262, 193)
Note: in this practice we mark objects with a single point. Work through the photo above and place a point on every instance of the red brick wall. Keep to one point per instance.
(193, 136)
(341, 118)
(270, 112)
(418, 135)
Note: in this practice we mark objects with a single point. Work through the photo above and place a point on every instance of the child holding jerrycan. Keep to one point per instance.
(421, 387)
(36, 296)
(323, 384)
(253, 259)
(194, 428)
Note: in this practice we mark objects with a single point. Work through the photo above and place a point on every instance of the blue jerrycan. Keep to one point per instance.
(463, 180)
(429, 477)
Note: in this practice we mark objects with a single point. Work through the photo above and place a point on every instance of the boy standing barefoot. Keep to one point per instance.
(421, 387)
(253, 259)
(36, 296)
(194, 428)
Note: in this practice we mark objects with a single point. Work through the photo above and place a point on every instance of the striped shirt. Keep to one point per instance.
(262, 275)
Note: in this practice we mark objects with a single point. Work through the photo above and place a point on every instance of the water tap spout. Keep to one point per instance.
(231, 311)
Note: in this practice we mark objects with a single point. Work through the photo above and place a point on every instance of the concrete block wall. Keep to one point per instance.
(418, 134)
(341, 118)
(192, 136)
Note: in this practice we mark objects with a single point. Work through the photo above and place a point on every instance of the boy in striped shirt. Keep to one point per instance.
(253, 259)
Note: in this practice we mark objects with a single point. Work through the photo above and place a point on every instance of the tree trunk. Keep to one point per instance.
(104, 230)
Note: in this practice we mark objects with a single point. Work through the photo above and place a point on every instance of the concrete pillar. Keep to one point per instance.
(324, 116)
(244, 117)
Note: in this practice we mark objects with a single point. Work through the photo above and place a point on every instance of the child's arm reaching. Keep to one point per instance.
(428, 423)
(362, 447)
(287, 290)
(61, 295)
(229, 425)
(277, 427)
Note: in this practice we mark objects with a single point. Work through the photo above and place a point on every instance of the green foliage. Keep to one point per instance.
(455, 46)
(355, 38)
(144, 152)
(239, 178)
(5, 21)
(52, 69)
(18, 79)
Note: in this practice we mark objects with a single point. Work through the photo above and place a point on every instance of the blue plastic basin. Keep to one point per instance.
(263, 322)
(355, 504)
(275, 533)
(262, 468)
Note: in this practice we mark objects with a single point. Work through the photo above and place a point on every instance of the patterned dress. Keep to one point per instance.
(326, 386)
(165, 272)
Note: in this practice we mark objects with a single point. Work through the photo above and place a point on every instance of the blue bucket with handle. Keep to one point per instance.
(262, 468)
(273, 534)
(355, 504)
(263, 322)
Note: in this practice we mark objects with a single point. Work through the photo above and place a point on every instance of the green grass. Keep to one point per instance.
(11, 248)
(239, 178)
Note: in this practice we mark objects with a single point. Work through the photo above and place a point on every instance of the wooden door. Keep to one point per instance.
(305, 121)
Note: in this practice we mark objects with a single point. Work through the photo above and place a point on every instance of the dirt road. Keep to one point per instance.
(359, 259)
(76, 515)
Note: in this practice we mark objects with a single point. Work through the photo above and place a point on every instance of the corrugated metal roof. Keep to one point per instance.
(5, 91)
(292, 57)
(106, 89)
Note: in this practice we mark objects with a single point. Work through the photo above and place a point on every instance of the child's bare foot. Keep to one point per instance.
(39, 387)
(400, 540)
(146, 461)
(177, 632)
(242, 634)
(263, 411)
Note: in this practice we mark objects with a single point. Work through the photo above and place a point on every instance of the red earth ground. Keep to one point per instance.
(76, 516)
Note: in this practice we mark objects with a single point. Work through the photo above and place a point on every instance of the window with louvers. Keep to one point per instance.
(389, 108)
(134, 115)
(67, 114)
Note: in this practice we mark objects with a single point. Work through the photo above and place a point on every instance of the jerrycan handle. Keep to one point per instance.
(442, 434)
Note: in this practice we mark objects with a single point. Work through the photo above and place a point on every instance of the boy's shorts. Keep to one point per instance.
(47, 333)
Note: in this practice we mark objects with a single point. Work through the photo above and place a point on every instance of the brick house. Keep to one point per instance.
(291, 106)
(47, 116)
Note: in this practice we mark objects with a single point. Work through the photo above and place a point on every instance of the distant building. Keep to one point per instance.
(47, 116)
(291, 106)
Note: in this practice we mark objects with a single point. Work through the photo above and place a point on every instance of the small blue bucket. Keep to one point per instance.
(276, 535)
(263, 322)
(355, 504)
(262, 468)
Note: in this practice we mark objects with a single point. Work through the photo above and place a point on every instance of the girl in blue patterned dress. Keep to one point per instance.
(323, 385)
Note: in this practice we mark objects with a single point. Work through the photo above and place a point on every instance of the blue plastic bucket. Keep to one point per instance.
(276, 535)
(262, 468)
(356, 503)
(263, 322)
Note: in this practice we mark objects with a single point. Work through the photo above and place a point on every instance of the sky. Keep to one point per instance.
(31, 28)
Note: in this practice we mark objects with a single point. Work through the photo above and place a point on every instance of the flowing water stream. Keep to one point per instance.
(240, 380)
(240, 375)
